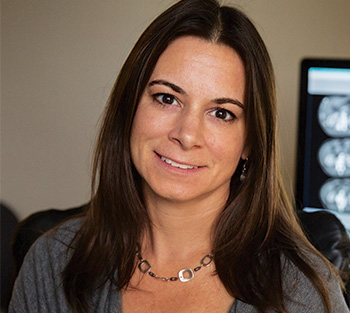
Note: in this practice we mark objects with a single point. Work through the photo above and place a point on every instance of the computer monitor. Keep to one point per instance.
(323, 162)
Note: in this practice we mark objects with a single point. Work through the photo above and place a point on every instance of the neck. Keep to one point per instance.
(181, 230)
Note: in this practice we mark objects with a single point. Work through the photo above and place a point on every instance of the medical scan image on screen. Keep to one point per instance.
(328, 145)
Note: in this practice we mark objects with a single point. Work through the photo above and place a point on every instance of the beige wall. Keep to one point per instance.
(59, 59)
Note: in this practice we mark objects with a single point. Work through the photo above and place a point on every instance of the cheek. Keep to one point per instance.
(147, 128)
(141, 128)
(136, 138)
(148, 122)
(227, 150)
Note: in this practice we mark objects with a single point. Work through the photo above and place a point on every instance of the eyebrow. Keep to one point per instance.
(181, 91)
(168, 84)
(229, 100)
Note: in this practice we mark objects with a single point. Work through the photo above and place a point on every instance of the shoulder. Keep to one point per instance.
(56, 243)
(32, 227)
(302, 295)
(66, 232)
(40, 274)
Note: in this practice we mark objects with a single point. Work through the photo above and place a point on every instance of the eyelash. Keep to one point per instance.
(157, 97)
(231, 116)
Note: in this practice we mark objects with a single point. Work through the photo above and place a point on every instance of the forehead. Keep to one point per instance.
(195, 62)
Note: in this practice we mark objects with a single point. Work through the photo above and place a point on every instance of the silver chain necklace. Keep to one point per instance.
(184, 275)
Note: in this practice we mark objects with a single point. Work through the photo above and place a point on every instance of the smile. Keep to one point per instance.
(178, 165)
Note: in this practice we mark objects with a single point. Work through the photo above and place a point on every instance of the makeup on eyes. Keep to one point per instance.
(219, 110)
(166, 99)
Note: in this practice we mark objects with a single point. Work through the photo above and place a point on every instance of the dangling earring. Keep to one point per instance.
(244, 171)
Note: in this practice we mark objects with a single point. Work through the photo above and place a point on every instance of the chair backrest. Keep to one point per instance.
(31, 228)
(8, 224)
(329, 236)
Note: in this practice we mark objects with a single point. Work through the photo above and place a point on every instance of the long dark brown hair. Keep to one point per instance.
(257, 228)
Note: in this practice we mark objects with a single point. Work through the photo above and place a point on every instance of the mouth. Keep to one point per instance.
(177, 165)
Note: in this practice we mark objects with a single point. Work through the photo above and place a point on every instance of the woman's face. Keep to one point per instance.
(189, 131)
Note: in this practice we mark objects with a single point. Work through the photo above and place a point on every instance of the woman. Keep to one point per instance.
(189, 212)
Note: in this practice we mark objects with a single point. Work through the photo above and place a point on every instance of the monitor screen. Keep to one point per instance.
(323, 164)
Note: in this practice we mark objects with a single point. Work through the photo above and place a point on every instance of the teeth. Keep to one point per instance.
(182, 166)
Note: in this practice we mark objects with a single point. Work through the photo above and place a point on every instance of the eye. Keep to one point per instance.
(165, 99)
(223, 114)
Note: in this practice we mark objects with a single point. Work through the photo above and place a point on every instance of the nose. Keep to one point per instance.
(187, 130)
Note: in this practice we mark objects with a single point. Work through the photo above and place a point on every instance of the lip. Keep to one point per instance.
(192, 168)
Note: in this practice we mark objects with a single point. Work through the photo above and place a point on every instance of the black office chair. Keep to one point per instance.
(31, 228)
(329, 236)
(8, 224)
